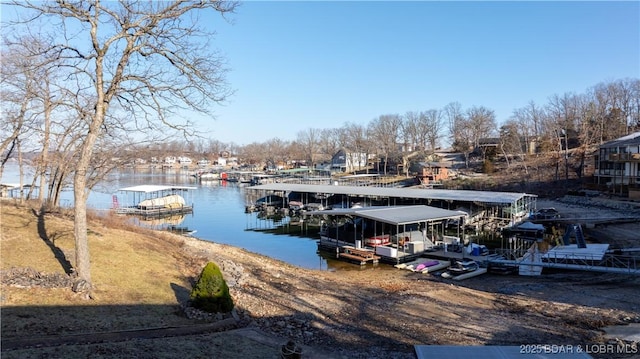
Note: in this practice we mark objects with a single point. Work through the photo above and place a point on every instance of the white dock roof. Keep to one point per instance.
(395, 215)
(10, 185)
(148, 188)
(422, 193)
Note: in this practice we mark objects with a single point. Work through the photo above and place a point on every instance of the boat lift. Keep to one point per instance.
(592, 257)
(153, 200)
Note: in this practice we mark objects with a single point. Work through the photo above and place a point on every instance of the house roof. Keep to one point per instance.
(489, 141)
(628, 140)
(436, 164)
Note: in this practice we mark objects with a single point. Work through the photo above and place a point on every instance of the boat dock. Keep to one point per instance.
(482, 208)
(392, 234)
(361, 256)
(594, 257)
(154, 212)
(153, 201)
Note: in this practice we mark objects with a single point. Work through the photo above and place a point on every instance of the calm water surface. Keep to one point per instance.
(218, 216)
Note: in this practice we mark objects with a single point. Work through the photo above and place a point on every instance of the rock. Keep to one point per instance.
(81, 286)
(29, 277)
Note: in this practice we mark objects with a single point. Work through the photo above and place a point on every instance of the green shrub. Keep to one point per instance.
(211, 293)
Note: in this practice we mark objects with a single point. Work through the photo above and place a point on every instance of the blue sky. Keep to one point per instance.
(296, 65)
(300, 65)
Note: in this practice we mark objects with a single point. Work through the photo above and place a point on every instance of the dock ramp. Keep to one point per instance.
(575, 230)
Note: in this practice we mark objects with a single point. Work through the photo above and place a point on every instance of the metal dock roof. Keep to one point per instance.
(155, 188)
(422, 193)
(395, 215)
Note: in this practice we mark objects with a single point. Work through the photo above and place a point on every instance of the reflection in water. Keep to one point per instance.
(219, 216)
(160, 222)
(171, 223)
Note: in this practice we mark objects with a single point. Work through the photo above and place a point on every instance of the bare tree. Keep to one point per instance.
(453, 113)
(411, 131)
(275, 151)
(384, 132)
(431, 124)
(482, 122)
(309, 141)
(134, 63)
(356, 141)
(511, 142)
(254, 153)
(528, 121)
(563, 113)
(329, 141)
(19, 80)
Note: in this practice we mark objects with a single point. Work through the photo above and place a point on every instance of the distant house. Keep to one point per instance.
(488, 144)
(618, 164)
(434, 172)
(183, 160)
(204, 162)
(345, 161)
(493, 144)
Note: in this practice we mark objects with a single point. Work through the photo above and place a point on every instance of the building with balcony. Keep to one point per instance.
(618, 165)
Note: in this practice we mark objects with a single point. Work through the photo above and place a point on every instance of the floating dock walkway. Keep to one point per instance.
(595, 257)
(361, 256)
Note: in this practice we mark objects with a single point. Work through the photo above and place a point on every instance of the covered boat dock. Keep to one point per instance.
(396, 234)
(153, 200)
(485, 209)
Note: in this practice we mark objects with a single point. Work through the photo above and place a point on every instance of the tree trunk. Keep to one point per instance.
(44, 158)
(55, 202)
(21, 170)
(83, 263)
(6, 157)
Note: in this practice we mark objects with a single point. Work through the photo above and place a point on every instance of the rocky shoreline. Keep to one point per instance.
(372, 312)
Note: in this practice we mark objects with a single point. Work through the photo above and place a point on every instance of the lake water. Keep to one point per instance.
(218, 216)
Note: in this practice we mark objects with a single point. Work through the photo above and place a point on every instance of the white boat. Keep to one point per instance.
(463, 269)
(170, 201)
(424, 265)
(463, 266)
(296, 205)
(209, 176)
(153, 200)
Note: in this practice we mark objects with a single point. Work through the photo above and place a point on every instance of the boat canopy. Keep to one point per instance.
(395, 215)
(155, 188)
(485, 197)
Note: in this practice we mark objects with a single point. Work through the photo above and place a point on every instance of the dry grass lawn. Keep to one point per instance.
(141, 271)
